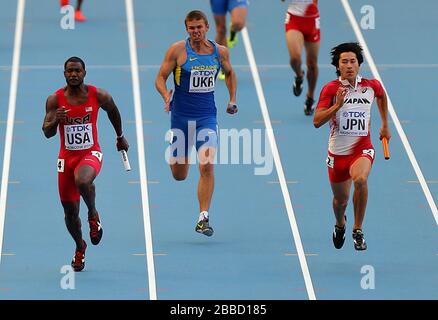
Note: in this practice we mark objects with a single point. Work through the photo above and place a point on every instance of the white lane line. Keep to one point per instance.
(288, 254)
(287, 182)
(428, 181)
(11, 115)
(278, 165)
(140, 148)
(149, 182)
(391, 109)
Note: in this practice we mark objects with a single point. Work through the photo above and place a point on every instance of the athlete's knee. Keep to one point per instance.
(179, 175)
(206, 170)
(83, 183)
(312, 65)
(360, 181)
(340, 202)
(295, 61)
(238, 25)
(71, 213)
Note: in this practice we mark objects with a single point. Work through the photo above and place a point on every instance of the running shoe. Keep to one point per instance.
(79, 16)
(78, 261)
(64, 2)
(308, 106)
(358, 239)
(204, 227)
(339, 235)
(232, 43)
(96, 230)
(298, 85)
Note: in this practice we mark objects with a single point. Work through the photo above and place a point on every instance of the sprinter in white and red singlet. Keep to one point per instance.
(346, 104)
(74, 110)
(303, 31)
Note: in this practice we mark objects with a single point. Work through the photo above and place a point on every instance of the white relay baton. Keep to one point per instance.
(125, 160)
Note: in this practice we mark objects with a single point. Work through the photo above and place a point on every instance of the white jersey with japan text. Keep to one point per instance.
(350, 127)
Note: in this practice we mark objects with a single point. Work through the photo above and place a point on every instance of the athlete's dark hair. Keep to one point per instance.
(196, 15)
(74, 59)
(346, 47)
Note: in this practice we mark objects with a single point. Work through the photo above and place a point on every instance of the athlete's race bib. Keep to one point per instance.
(78, 136)
(202, 80)
(354, 123)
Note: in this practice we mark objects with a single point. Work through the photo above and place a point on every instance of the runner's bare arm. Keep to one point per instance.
(169, 64)
(107, 103)
(50, 124)
(230, 75)
(382, 104)
(323, 115)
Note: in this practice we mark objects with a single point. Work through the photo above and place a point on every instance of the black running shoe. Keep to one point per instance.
(338, 236)
(298, 85)
(204, 228)
(359, 241)
(78, 261)
(308, 106)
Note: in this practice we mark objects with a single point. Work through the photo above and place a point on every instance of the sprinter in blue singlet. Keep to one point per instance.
(238, 10)
(195, 64)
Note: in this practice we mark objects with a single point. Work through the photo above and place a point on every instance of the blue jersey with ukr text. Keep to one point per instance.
(194, 84)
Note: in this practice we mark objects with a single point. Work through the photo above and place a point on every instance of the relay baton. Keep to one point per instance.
(125, 160)
(385, 148)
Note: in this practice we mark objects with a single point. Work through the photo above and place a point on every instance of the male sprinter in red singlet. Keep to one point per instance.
(74, 110)
(302, 30)
(346, 103)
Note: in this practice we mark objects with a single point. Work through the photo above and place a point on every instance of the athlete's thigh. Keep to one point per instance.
(238, 16)
(182, 138)
(295, 42)
(312, 50)
(89, 166)
(361, 167)
(68, 191)
(207, 139)
(338, 167)
(207, 133)
(233, 4)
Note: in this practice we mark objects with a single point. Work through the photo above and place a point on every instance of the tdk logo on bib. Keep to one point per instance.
(78, 137)
(354, 123)
(355, 114)
(202, 80)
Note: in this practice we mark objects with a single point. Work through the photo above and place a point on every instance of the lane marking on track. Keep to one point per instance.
(278, 165)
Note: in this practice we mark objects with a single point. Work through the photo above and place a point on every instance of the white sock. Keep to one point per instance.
(202, 215)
